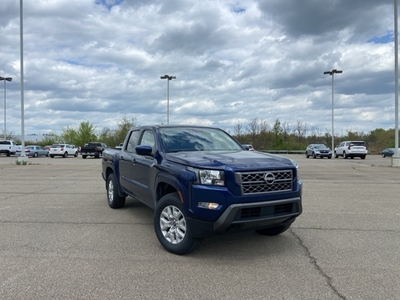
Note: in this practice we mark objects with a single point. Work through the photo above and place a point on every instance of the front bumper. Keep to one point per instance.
(249, 216)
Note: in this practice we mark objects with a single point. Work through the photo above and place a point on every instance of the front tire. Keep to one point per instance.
(171, 226)
(113, 197)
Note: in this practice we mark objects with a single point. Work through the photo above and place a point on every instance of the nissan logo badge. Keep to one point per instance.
(269, 178)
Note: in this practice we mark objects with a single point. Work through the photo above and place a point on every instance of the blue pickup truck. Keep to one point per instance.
(201, 182)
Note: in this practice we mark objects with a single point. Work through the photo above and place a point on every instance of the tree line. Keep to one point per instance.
(262, 135)
(297, 135)
(85, 133)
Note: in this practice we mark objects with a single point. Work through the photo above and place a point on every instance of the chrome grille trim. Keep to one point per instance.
(255, 183)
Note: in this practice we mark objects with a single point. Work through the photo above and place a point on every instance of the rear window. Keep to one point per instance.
(5, 143)
(57, 146)
(357, 144)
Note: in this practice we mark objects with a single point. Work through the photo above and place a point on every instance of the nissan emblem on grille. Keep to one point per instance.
(269, 178)
(256, 182)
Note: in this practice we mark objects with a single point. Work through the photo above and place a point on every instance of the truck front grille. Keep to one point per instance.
(265, 181)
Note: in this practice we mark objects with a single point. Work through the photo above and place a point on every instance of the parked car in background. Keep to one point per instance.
(93, 149)
(19, 148)
(63, 150)
(388, 152)
(351, 149)
(318, 150)
(35, 151)
(8, 147)
(248, 147)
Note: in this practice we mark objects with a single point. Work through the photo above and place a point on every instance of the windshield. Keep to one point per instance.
(320, 146)
(175, 139)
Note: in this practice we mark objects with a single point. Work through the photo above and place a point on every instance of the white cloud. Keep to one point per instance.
(99, 61)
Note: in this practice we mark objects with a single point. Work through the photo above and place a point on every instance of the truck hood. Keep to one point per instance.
(234, 160)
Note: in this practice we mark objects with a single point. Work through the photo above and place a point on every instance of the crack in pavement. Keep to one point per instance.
(314, 262)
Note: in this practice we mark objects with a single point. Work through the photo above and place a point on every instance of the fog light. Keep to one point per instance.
(208, 205)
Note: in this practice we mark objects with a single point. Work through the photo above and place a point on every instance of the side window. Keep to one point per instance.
(148, 139)
(133, 139)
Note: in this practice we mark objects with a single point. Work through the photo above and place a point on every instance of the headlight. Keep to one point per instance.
(209, 177)
(297, 167)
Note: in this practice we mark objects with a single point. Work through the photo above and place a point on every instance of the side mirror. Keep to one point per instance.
(143, 150)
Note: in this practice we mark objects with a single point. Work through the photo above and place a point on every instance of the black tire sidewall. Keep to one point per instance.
(117, 201)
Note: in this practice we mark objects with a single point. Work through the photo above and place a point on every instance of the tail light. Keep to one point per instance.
(27, 150)
(349, 147)
(62, 149)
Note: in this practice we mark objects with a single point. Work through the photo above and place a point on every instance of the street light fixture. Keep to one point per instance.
(332, 73)
(168, 79)
(5, 126)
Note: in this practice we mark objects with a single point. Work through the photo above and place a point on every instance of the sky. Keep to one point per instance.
(234, 62)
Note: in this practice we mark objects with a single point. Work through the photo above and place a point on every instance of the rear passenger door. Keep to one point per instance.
(126, 162)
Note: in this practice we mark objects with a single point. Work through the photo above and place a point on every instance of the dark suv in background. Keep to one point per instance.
(351, 149)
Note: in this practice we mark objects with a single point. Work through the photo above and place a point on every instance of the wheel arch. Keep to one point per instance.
(166, 185)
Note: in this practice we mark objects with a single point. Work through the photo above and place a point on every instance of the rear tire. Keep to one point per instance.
(171, 226)
(363, 157)
(35, 154)
(84, 156)
(344, 155)
(65, 155)
(113, 197)
(52, 156)
(76, 154)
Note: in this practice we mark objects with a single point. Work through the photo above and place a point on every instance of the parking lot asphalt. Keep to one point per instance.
(60, 240)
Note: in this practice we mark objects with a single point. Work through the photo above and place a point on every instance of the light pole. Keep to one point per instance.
(332, 73)
(168, 79)
(5, 126)
(396, 156)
